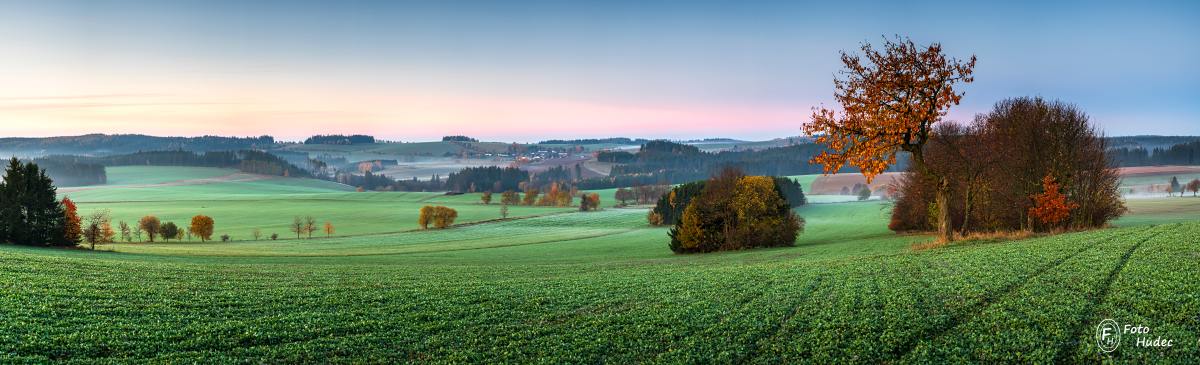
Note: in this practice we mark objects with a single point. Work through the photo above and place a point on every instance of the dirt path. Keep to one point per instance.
(234, 177)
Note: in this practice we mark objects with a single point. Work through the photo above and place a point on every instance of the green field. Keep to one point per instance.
(553, 285)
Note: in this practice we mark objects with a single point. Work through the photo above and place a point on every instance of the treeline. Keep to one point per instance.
(1029, 164)
(104, 144)
(458, 139)
(69, 171)
(251, 161)
(1179, 154)
(490, 178)
(340, 139)
(587, 141)
(664, 162)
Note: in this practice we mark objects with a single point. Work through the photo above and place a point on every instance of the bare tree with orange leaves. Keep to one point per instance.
(890, 100)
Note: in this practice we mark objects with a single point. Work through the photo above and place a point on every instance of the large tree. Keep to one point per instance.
(890, 98)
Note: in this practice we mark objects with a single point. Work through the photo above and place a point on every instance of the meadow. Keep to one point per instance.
(555, 285)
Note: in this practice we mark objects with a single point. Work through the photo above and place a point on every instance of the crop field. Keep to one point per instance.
(559, 286)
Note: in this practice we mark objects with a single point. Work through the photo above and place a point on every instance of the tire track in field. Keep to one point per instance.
(1073, 343)
(775, 330)
(988, 300)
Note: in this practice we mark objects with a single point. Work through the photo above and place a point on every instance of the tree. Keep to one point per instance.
(126, 234)
(504, 211)
(444, 217)
(510, 197)
(169, 230)
(256, 233)
(890, 102)
(1174, 187)
(72, 229)
(486, 197)
(425, 217)
(98, 229)
(150, 225)
(274, 236)
(589, 202)
(225, 238)
(297, 226)
(328, 229)
(310, 225)
(202, 226)
(137, 233)
(531, 195)
(1194, 186)
(624, 196)
(864, 193)
(1051, 207)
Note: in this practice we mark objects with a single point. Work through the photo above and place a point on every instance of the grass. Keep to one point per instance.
(559, 286)
(127, 175)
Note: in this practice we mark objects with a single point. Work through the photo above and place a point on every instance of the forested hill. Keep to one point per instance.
(106, 144)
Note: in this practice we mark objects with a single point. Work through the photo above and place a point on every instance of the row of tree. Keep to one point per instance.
(1000, 171)
(340, 139)
(1174, 186)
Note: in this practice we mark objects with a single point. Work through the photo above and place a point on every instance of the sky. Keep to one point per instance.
(531, 70)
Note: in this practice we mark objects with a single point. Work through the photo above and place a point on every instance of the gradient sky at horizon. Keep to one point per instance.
(531, 70)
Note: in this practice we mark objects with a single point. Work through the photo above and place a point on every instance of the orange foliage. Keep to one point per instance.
(1051, 207)
(202, 226)
(890, 100)
(74, 229)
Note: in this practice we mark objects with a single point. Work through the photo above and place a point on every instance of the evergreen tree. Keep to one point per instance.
(30, 213)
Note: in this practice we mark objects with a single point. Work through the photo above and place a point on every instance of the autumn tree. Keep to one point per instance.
(328, 229)
(504, 211)
(297, 226)
(531, 196)
(202, 226)
(624, 196)
(425, 217)
(735, 212)
(150, 225)
(310, 225)
(169, 230)
(510, 197)
(98, 228)
(73, 225)
(890, 99)
(589, 202)
(1194, 186)
(486, 197)
(126, 234)
(1051, 207)
(256, 233)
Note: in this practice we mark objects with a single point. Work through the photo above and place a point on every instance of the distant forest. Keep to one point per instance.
(659, 162)
(1179, 154)
(68, 170)
(340, 139)
(587, 141)
(104, 144)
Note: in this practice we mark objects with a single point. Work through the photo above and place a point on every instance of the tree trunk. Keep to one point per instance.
(966, 210)
(945, 233)
(942, 199)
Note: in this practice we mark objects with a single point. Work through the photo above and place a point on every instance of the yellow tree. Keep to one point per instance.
(328, 229)
(890, 100)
